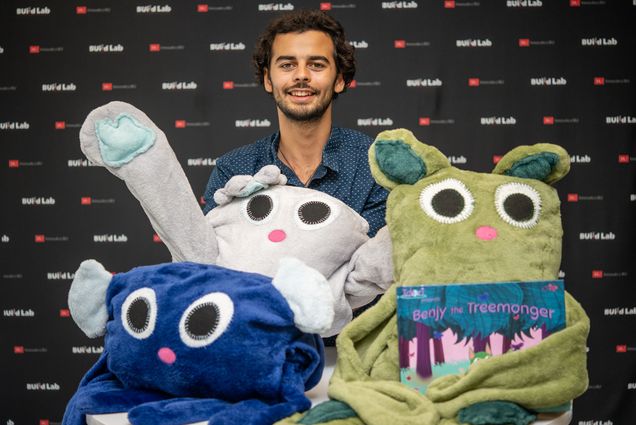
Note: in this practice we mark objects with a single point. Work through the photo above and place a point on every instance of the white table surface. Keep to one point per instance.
(317, 395)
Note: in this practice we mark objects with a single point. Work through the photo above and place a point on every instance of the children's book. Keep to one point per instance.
(447, 329)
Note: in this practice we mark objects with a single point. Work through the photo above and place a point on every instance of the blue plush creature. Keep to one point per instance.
(187, 342)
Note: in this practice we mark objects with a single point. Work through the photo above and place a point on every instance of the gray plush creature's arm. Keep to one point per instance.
(125, 141)
(371, 270)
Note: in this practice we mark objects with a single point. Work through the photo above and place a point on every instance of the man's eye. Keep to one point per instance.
(286, 66)
(318, 65)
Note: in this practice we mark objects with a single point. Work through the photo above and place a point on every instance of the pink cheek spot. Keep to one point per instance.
(166, 355)
(486, 233)
(277, 235)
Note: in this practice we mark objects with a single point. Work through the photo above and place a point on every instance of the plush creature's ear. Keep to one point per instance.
(397, 157)
(308, 294)
(87, 298)
(543, 161)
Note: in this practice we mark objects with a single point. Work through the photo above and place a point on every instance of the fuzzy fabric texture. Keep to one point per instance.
(258, 222)
(441, 239)
(87, 300)
(492, 414)
(188, 342)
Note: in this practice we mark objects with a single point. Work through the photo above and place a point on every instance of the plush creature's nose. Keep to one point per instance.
(166, 355)
(486, 233)
(277, 235)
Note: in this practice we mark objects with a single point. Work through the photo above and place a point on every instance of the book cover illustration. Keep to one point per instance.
(444, 329)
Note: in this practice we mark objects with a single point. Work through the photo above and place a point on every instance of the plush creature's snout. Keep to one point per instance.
(166, 355)
(486, 233)
(277, 235)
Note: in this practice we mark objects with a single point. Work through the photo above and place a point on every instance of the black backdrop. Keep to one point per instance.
(474, 78)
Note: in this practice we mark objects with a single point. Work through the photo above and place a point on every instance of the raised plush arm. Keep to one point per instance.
(125, 141)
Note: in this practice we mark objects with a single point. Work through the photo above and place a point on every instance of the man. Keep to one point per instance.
(303, 60)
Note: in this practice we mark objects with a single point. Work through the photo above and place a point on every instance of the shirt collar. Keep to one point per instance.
(330, 157)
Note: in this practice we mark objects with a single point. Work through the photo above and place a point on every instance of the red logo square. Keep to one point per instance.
(621, 348)
(597, 274)
(424, 121)
(353, 84)
(14, 163)
(154, 47)
(228, 85)
(81, 10)
(325, 6)
(599, 81)
(202, 8)
(524, 42)
(65, 312)
(86, 200)
(156, 238)
(496, 159)
(44, 422)
(18, 349)
(573, 197)
(473, 82)
(548, 120)
(575, 3)
(60, 125)
(399, 44)
(623, 159)
(39, 238)
(449, 4)
(107, 86)
(180, 124)
(34, 49)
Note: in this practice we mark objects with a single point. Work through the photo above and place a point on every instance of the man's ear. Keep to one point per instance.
(543, 161)
(339, 85)
(267, 82)
(397, 157)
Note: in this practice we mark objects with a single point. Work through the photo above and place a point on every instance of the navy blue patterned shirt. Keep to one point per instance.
(343, 173)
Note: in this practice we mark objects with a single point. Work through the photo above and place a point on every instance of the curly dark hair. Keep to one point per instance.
(301, 21)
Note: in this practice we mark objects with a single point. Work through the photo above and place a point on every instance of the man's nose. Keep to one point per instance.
(302, 74)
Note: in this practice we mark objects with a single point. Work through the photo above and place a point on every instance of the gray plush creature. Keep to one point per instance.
(259, 220)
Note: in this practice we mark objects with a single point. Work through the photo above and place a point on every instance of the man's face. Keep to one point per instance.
(302, 74)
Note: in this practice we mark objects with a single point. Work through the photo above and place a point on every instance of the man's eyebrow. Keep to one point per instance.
(311, 58)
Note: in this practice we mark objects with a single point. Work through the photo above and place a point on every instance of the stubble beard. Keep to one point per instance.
(301, 113)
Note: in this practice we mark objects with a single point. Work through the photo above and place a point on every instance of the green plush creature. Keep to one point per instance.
(449, 225)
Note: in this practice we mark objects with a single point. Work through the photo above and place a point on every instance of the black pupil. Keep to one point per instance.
(138, 315)
(202, 321)
(519, 207)
(259, 207)
(448, 203)
(314, 212)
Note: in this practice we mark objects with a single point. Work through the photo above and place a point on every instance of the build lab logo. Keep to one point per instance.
(552, 120)
(359, 44)
(498, 120)
(527, 42)
(399, 5)
(374, 122)
(224, 47)
(80, 163)
(580, 159)
(457, 160)
(424, 82)
(18, 312)
(620, 311)
(1, 50)
(474, 42)
(60, 275)
(39, 201)
(179, 85)
(252, 123)
(201, 162)
(524, 3)
(403, 44)
(59, 87)
(14, 125)
(275, 7)
(105, 48)
(602, 81)
(33, 11)
(42, 386)
(548, 81)
(5, 238)
(599, 42)
(110, 238)
(87, 349)
(108, 86)
(427, 121)
(154, 8)
(476, 82)
(620, 119)
(597, 236)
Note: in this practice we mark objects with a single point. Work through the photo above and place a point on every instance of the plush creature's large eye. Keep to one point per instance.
(518, 204)
(206, 319)
(139, 313)
(448, 201)
(259, 208)
(315, 214)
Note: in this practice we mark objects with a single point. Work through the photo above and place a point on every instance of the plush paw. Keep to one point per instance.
(327, 411)
(116, 133)
(495, 413)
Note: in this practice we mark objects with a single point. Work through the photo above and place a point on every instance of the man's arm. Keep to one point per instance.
(374, 209)
(218, 177)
